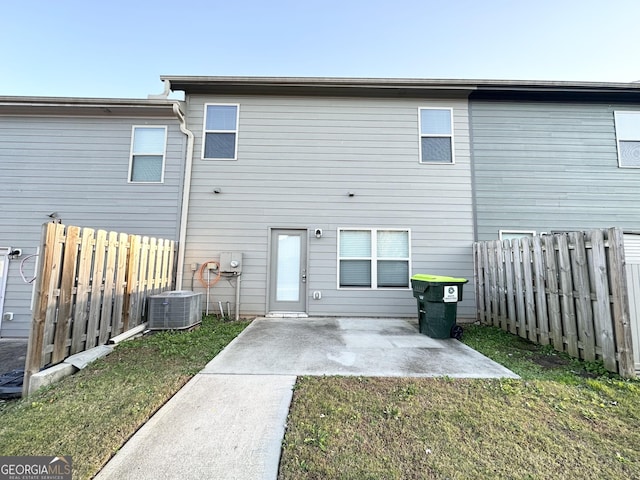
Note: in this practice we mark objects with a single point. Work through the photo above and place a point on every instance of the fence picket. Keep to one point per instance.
(521, 311)
(493, 276)
(108, 297)
(97, 289)
(566, 297)
(120, 289)
(540, 293)
(67, 285)
(502, 299)
(602, 311)
(620, 296)
(478, 283)
(582, 295)
(81, 312)
(553, 300)
(510, 323)
(530, 305)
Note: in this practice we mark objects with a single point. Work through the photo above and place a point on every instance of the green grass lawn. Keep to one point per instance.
(92, 413)
(563, 419)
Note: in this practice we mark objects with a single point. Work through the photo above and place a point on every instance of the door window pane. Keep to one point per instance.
(288, 267)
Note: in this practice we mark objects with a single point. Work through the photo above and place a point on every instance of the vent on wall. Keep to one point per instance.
(174, 310)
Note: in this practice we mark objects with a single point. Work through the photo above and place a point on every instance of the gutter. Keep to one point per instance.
(186, 192)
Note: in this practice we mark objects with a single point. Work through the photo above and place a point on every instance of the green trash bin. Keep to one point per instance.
(438, 298)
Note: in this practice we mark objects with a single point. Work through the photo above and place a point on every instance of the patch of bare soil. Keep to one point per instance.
(549, 361)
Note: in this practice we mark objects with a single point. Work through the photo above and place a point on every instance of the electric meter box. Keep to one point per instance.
(231, 262)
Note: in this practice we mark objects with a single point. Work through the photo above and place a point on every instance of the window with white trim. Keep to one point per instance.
(436, 135)
(373, 258)
(628, 138)
(148, 146)
(512, 234)
(220, 137)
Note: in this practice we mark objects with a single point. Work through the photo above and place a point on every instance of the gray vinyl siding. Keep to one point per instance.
(550, 166)
(298, 158)
(77, 167)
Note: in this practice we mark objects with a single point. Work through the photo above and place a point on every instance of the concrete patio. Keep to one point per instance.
(228, 422)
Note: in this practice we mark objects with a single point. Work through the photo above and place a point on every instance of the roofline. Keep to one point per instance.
(391, 86)
(85, 106)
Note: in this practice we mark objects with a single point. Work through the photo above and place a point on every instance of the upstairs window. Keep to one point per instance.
(436, 135)
(220, 139)
(628, 139)
(372, 258)
(148, 146)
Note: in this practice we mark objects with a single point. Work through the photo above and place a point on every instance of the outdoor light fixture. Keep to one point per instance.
(318, 233)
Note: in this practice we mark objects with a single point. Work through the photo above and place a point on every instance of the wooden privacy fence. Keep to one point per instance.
(91, 286)
(567, 289)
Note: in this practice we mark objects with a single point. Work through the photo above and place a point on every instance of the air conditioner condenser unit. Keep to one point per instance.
(174, 310)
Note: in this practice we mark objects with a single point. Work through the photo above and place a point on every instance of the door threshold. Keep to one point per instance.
(286, 315)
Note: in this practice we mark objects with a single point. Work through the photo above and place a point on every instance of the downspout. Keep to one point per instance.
(186, 191)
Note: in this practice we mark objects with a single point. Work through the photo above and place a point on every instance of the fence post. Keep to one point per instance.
(42, 294)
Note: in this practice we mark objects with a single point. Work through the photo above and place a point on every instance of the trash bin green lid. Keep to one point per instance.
(437, 278)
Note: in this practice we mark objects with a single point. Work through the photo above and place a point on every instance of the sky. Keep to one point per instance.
(119, 49)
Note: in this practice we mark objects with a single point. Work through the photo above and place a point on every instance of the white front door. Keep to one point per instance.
(288, 272)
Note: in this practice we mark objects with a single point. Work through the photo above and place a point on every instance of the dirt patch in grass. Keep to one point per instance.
(91, 414)
(554, 423)
(550, 361)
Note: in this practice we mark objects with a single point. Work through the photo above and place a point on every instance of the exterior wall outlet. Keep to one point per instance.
(194, 267)
(317, 295)
(7, 316)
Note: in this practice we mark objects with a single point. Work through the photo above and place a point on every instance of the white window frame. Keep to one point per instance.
(131, 153)
(620, 137)
(373, 258)
(523, 233)
(205, 131)
(427, 135)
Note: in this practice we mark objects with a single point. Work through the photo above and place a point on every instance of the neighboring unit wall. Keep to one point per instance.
(550, 166)
(77, 167)
(298, 157)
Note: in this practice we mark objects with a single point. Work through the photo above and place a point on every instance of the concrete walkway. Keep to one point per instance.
(229, 420)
